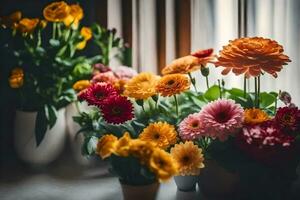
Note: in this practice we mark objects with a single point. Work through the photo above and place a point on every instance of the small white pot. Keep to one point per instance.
(76, 140)
(186, 183)
(25, 143)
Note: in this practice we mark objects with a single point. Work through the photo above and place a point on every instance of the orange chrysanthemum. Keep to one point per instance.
(106, 145)
(189, 63)
(141, 86)
(188, 157)
(255, 116)
(161, 134)
(252, 56)
(56, 11)
(173, 84)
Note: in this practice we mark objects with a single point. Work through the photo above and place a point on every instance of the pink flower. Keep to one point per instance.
(221, 118)
(191, 127)
(266, 143)
(107, 77)
(124, 72)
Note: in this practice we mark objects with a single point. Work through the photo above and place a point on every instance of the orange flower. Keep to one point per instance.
(27, 25)
(16, 79)
(255, 116)
(172, 84)
(189, 63)
(86, 33)
(56, 11)
(75, 15)
(252, 56)
(106, 145)
(81, 85)
(11, 20)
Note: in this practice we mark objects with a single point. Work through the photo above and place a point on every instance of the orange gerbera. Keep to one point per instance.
(172, 84)
(189, 63)
(255, 116)
(252, 56)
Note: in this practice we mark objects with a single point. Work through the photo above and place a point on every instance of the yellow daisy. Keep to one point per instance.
(188, 157)
(106, 145)
(161, 134)
(173, 84)
(141, 86)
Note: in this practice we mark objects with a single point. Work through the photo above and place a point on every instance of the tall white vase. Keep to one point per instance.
(25, 143)
(76, 140)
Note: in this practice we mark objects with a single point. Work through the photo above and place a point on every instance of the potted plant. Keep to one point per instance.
(46, 66)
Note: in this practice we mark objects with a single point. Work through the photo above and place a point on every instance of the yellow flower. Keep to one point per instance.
(142, 86)
(16, 78)
(161, 134)
(86, 33)
(189, 158)
(56, 11)
(106, 145)
(81, 45)
(11, 20)
(81, 85)
(255, 116)
(75, 15)
(162, 165)
(27, 25)
(141, 150)
(123, 145)
(119, 85)
(173, 84)
(43, 24)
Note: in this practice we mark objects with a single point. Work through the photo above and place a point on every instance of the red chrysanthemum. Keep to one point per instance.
(288, 118)
(266, 143)
(97, 93)
(117, 109)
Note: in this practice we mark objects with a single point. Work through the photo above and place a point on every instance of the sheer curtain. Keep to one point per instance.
(214, 22)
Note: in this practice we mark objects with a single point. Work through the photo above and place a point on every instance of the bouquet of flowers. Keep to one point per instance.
(140, 113)
(47, 65)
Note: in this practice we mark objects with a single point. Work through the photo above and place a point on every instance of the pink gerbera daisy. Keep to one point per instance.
(107, 77)
(97, 93)
(117, 109)
(191, 127)
(221, 118)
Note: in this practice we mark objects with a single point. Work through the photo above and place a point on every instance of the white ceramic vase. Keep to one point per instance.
(76, 140)
(186, 183)
(25, 143)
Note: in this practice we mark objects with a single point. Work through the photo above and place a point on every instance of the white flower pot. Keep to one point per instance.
(25, 142)
(186, 183)
(76, 140)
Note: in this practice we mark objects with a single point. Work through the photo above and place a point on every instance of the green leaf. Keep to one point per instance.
(82, 69)
(54, 43)
(213, 93)
(236, 92)
(41, 126)
(51, 114)
(266, 99)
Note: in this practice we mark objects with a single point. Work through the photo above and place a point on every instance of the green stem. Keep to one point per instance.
(258, 91)
(77, 107)
(245, 86)
(176, 103)
(193, 81)
(255, 89)
(220, 88)
(156, 102)
(53, 30)
(207, 83)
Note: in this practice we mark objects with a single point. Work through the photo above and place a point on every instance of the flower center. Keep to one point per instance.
(195, 124)
(185, 159)
(288, 119)
(222, 117)
(116, 110)
(156, 136)
(170, 82)
(99, 95)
